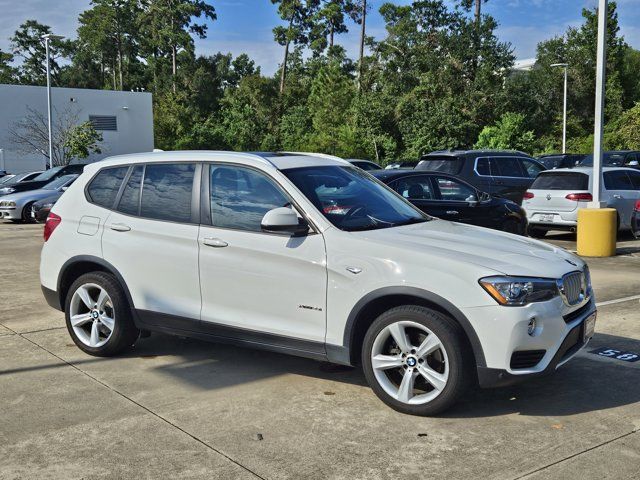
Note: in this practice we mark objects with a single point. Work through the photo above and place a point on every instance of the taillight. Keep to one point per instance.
(580, 197)
(52, 223)
(528, 195)
(637, 206)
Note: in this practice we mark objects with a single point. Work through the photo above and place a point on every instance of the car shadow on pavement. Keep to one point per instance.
(587, 383)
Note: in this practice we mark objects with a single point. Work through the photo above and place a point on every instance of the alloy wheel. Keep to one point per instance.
(92, 315)
(410, 362)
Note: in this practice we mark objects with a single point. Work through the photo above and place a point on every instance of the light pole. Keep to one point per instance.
(564, 108)
(47, 38)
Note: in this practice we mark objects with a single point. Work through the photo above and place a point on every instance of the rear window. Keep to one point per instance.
(166, 192)
(104, 187)
(444, 164)
(561, 181)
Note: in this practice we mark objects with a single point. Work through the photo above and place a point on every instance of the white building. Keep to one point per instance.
(125, 120)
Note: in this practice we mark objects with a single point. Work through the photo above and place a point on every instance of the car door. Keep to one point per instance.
(252, 281)
(509, 178)
(151, 238)
(621, 194)
(457, 199)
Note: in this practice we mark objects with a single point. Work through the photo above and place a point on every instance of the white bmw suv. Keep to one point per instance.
(308, 255)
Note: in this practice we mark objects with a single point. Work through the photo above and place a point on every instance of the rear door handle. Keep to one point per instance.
(120, 227)
(453, 212)
(617, 196)
(214, 242)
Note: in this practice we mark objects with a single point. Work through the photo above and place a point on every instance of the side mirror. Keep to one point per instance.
(284, 220)
(64, 189)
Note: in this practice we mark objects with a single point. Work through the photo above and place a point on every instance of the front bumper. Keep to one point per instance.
(10, 213)
(503, 333)
(572, 344)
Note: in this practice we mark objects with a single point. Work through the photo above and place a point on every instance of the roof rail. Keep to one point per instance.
(321, 155)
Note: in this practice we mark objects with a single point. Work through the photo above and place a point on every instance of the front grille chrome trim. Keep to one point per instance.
(574, 288)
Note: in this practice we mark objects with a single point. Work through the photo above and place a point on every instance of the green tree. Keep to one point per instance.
(82, 140)
(508, 133)
(298, 14)
(8, 73)
(108, 31)
(27, 44)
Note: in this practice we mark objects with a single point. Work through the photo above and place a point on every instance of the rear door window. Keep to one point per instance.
(103, 189)
(617, 180)
(483, 166)
(167, 191)
(561, 181)
(506, 167)
(635, 179)
(444, 164)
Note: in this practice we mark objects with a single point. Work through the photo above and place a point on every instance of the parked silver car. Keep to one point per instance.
(17, 206)
(553, 200)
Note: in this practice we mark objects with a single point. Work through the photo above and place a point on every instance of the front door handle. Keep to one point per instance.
(120, 227)
(214, 242)
(453, 212)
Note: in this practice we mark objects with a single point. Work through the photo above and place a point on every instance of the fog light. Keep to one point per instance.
(531, 328)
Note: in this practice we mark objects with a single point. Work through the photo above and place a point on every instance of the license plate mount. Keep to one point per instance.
(546, 217)
(589, 327)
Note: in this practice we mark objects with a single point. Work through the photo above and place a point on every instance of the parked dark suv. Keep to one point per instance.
(47, 176)
(561, 160)
(499, 173)
(618, 158)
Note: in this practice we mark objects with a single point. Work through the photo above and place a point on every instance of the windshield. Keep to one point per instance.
(59, 182)
(17, 178)
(48, 174)
(353, 200)
(444, 164)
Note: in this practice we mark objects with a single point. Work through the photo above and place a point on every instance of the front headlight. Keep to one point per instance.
(7, 204)
(518, 291)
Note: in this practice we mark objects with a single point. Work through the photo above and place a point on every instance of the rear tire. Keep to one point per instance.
(98, 315)
(537, 232)
(404, 376)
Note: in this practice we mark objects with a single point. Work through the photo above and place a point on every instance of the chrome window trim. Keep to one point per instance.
(475, 168)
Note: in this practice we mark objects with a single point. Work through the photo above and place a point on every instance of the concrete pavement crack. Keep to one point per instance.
(607, 442)
(146, 409)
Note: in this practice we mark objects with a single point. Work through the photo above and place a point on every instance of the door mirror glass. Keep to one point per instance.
(284, 220)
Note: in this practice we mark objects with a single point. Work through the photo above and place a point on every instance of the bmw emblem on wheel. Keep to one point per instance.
(548, 196)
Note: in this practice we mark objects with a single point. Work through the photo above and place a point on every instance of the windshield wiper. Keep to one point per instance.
(411, 221)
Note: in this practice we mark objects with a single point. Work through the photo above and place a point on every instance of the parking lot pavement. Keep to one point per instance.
(181, 408)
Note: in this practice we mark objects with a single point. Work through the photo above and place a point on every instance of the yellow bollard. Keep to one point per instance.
(597, 230)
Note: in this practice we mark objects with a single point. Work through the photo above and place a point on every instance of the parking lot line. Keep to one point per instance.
(618, 300)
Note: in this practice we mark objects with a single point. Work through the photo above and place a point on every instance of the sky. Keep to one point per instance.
(245, 26)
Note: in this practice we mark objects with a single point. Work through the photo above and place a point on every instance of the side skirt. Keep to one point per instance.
(213, 332)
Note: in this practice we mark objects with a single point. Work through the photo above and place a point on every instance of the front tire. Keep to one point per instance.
(415, 360)
(537, 232)
(98, 315)
(26, 213)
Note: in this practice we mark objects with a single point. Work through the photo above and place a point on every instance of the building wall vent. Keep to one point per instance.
(104, 122)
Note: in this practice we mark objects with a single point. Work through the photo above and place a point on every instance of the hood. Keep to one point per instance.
(499, 251)
(50, 199)
(30, 185)
(28, 196)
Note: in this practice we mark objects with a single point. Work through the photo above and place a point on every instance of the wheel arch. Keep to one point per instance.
(81, 264)
(368, 308)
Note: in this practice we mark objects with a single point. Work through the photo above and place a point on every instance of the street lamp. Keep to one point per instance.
(47, 38)
(564, 108)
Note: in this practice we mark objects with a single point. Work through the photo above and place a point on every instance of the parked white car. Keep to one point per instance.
(308, 255)
(17, 206)
(553, 200)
